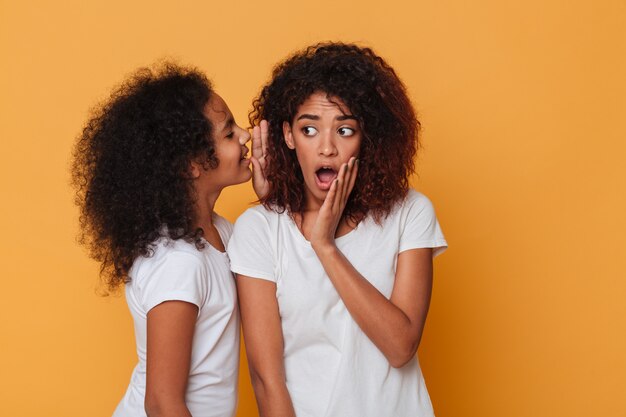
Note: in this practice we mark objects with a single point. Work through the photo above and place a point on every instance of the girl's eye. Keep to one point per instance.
(309, 130)
(230, 135)
(346, 131)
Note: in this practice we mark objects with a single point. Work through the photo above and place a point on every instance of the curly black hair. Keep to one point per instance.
(131, 164)
(374, 94)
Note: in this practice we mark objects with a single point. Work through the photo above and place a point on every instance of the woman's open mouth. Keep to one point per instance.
(324, 177)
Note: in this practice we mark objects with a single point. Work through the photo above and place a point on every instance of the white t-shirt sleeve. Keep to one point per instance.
(250, 247)
(420, 228)
(178, 276)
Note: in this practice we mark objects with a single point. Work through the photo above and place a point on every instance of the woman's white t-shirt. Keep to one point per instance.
(332, 368)
(179, 271)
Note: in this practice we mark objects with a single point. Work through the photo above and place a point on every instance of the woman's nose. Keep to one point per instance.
(327, 145)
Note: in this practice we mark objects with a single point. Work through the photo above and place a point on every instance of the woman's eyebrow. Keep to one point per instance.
(308, 116)
(314, 117)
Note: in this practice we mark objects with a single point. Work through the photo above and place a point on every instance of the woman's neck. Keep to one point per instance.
(306, 221)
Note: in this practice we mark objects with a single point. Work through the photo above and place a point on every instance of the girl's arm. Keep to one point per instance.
(170, 334)
(394, 325)
(263, 338)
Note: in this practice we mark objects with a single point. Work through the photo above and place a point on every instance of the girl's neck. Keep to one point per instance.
(204, 219)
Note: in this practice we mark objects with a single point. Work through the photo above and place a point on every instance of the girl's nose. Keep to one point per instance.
(244, 137)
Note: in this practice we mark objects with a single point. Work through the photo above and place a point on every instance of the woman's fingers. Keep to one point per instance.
(348, 180)
(335, 202)
(353, 173)
(341, 179)
(330, 200)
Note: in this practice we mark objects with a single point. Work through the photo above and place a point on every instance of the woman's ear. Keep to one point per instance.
(195, 169)
(288, 135)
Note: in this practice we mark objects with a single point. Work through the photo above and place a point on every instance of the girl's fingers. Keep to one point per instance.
(257, 143)
(260, 135)
(264, 127)
(259, 181)
(257, 171)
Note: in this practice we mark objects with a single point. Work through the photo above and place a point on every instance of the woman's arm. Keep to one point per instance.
(394, 325)
(263, 338)
(170, 334)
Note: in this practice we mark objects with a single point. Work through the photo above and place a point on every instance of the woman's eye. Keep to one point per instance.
(346, 131)
(230, 135)
(309, 130)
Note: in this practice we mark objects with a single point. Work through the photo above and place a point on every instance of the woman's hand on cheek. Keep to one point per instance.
(259, 159)
(329, 216)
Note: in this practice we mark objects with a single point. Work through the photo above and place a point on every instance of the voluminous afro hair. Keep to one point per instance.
(131, 166)
(374, 94)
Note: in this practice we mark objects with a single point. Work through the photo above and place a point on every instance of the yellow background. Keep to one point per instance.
(523, 105)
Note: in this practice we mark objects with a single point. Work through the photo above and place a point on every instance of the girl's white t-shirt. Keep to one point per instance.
(179, 271)
(332, 368)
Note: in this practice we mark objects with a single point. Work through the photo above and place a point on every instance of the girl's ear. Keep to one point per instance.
(288, 135)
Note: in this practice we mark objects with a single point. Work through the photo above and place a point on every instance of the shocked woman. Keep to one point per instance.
(334, 269)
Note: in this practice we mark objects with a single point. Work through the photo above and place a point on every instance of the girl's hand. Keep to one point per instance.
(259, 159)
(329, 216)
